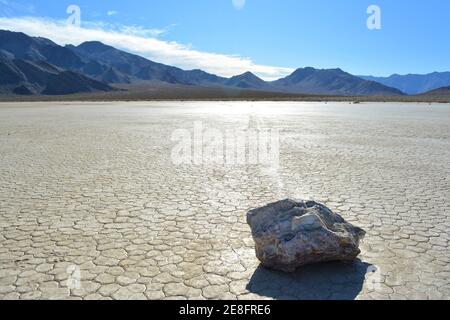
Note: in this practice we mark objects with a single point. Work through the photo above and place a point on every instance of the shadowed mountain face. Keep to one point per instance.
(21, 46)
(438, 93)
(135, 68)
(24, 77)
(24, 47)
(414, 83)
(39, 66)
(101, 62)
(332, 82)
(97, 64)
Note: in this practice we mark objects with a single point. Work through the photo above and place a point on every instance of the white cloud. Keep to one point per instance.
(111, 13)
(141, 41)
(142, 32)
(238, 4)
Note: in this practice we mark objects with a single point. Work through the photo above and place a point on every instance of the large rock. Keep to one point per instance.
(289, 234)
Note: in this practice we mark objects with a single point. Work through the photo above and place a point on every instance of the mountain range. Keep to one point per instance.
(414, 83)
(34, 65)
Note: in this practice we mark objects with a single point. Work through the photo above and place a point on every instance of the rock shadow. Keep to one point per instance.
(325, 281)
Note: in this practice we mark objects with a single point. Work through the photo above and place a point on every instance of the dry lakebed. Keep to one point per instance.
(93, 205)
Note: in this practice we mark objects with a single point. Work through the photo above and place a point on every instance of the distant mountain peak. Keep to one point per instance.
(309, 80)
(96, 46)
(248, 75)
(247, 80)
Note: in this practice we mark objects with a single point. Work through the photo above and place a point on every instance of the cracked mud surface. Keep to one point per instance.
(91, 187)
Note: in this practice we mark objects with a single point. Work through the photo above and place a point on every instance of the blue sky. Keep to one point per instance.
(268, 37)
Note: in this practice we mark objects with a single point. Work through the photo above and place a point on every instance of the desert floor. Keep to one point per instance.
(90, 192)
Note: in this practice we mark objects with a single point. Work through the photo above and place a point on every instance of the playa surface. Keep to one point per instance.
(93, 206)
